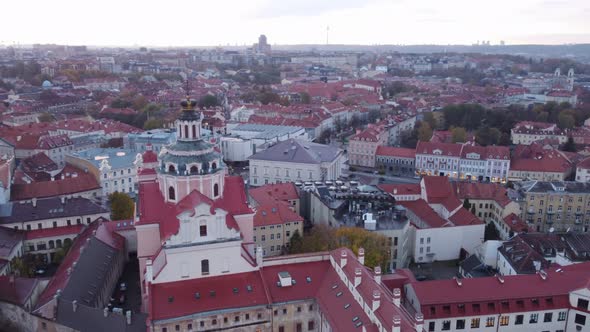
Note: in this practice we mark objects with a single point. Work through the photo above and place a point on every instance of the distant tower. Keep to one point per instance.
(570, 79)
(327, 35)
(557, 72)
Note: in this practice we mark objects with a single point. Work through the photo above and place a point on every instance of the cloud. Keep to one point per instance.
(307, 8)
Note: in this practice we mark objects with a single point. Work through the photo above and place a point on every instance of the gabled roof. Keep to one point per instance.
(153, 209)
(446, 149)
(297, 151)
(276, 213)
(177, 299)
(270, 192)
(16, 290)
(512, 289)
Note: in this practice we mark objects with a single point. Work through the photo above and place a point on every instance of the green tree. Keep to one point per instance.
(122, 206)
(459, 134)
(566, 120)
(377, 249)
(208, 101)
(570, 146)
(296, 243)
(430, 119)
(425, 132)
(491, 232)
(153, 124)
(23, 266)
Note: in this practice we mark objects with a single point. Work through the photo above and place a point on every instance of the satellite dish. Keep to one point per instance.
(551, 230)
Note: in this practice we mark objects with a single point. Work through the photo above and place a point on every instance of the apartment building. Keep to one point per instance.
(555, 206)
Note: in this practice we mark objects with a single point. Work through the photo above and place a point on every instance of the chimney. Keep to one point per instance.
(11, 279)
(342, 259)
(74, 305)
(63, 200)
(128, 317)
(377, 271)
(395, 191)
(459, 281)
(543, 275)
(259, 255)
(357, 276)
(376, 300)
(397, 297)
(105, 312)
(34, 201)
(361, 256)
(419, 321)
(397, 324)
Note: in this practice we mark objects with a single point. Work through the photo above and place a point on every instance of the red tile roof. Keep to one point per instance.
(535, 158)
(153, 209)
(400, 189)
(390, 151)
(484, 191)
(513, 289)
(438, 189)
(270, 192)
(177, 299)
(16, 290)
(447, 149)
(464, 218)
(275, 213)
(515, 224)
(73, 230)
(423, 211)
(83, 182)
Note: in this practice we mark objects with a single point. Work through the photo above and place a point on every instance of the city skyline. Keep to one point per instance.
(296, 22)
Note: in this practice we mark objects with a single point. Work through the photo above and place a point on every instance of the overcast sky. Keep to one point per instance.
(239, 22)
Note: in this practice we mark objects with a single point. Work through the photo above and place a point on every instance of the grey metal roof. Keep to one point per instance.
(49, 208)
(91, 271)
(298, 151)
(117, 158)
(267, 131)
(89, 319)
(555, 187)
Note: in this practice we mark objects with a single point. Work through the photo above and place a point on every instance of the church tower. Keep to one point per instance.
(191, 163)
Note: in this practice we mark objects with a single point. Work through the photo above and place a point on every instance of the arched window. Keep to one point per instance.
(185, 131)
(205, 267)
(58, 243)
(214, 165)
(51, 244)
(215, 190)
(194, 131)
(171, 193)
(171, 168)
(194, 170)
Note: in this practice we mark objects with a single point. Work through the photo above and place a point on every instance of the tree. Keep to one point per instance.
(570, 146)
(122, 206)
(487, 136)
(153, 124)
(566, 120)
(24, 266)
(208, 101)
(45, 117)
(466, 204)
(377, 249)
(459, 134)
(430, 119)
(305, 98)
(296, 243)
(424, 132)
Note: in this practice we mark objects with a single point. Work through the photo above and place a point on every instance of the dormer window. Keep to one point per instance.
(171, 169)
(194, 170)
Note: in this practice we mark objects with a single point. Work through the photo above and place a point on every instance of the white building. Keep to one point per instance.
(296, 160)
(115, 168)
